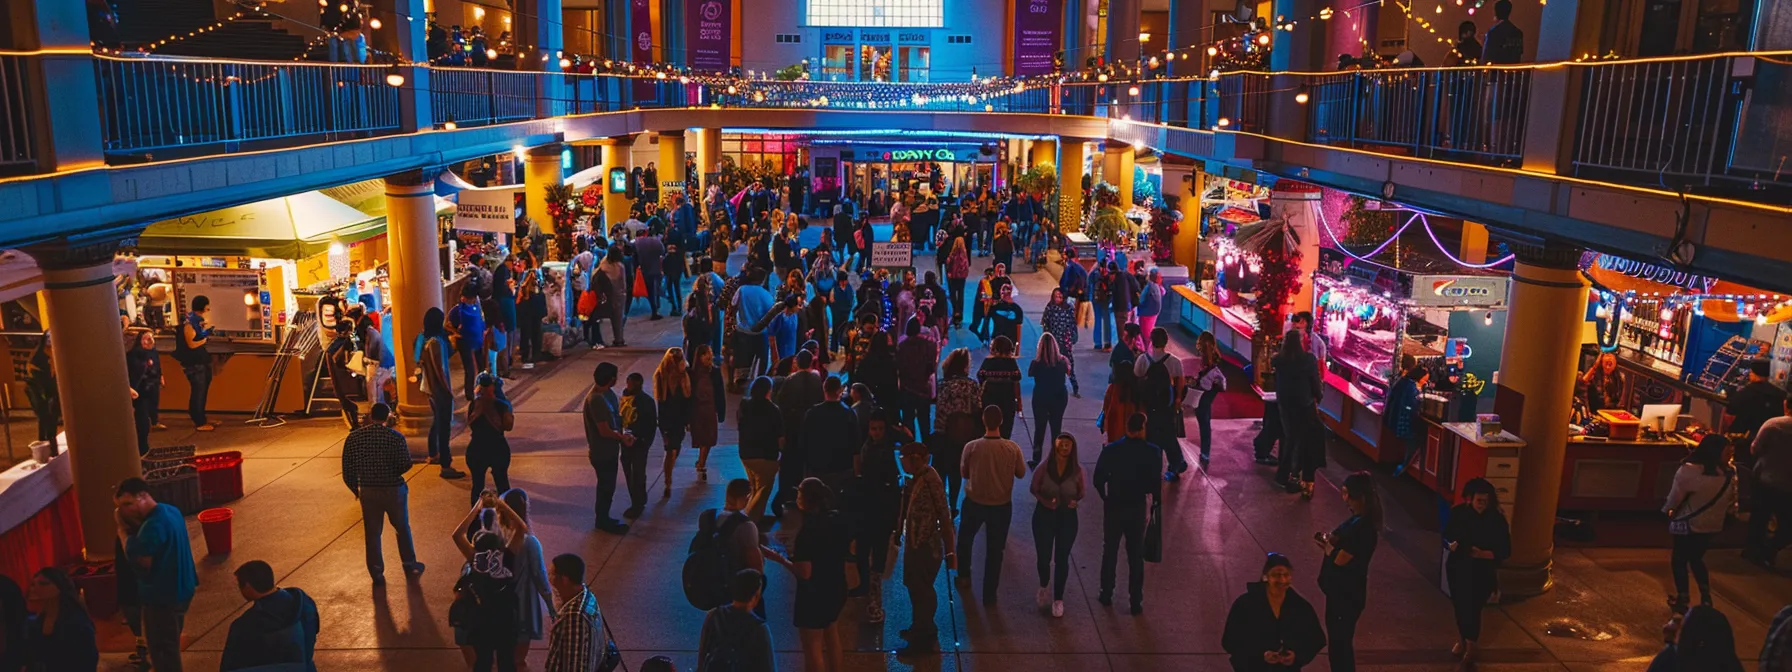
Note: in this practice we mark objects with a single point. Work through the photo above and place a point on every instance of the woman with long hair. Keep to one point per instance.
(1056, 489)
(699, 319)
(1477, 538)
(1002, 248)
(489, 416)
(958, 414)
(1699, 641)
(1210, 381)
(531, 309)
(818, 560)
(1401, 413)
(1603, 384)
(1698, 503)
(1344, 576)
(487, 634)
(61, 638)
(1059, 320)
(1297, 400)
(144, 365)
(708, 408)
(1119, 403)
(1000, 375)
(431, 353)
(672, 392)
(958, 267)
(1048, 370)
(1271, 628)
(532, 589)
(613, 266)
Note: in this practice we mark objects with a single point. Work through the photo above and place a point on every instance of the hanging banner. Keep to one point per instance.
(1036, 35)
(488, 210)
(708, 34)
(640, 20)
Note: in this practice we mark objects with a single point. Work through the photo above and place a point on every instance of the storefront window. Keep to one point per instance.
(914, 64)
(874, 63)
(877, 13)
(836, 62)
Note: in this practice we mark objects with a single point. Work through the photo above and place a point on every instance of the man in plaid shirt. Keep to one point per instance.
(576, 643)
(374, 461)
(927, 537)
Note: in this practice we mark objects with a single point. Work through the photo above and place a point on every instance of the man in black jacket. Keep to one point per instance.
(280, 627)
(1126, 474)
(830, 435)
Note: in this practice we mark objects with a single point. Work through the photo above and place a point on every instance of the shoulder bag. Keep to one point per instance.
(1683, 524)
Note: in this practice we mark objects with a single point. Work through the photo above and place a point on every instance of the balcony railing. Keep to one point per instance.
(1686, 124)
(17, 151)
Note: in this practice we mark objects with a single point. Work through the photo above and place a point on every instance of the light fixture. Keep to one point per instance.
(1301, 97)
(1224, 122)
(1325, 14)
(1133, 91)
(1101, 77)
(1487, 319)
(758, 96)
(374, 23)
(822, 100)
(1263, 39)
(989, 108)
(491, 53)
(478, 13)
(1214, 73)
(450, 125)
(1144, 36)
(565, 63)
(1213, 51)
(519, 150)
(395, 77)
(732, 90)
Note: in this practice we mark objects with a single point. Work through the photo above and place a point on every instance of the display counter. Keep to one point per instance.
(1355, 416)
(39, 524)
(240, 374)
(1608, 475)
(1455, 453)
(1198, 314)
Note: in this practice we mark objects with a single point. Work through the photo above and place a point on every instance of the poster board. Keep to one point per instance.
(240, 301)
(892, 255)
(488, 210)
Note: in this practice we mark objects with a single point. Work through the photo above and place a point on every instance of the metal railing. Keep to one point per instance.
(1471, 114)
(476, 97)
(1244, 102)
(17, 150)
(163, 103)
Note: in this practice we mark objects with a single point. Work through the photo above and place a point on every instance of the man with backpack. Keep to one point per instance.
(733, 639)
(1160, 395)
(727, 541)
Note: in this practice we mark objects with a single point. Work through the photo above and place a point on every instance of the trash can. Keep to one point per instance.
(216, 523)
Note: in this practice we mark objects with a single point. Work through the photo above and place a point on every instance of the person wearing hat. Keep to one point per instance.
(1754, 403)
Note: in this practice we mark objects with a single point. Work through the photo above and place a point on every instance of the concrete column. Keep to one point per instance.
(1116, 169)
(541, 170)
(709, 154)
(671, 164)
(87, 349)
(1070, 185)
(1568, 28)
(64, 100)
(413, 239)
(616, 155)
(1549, 301)
(1043, 151)
(1474, 243)
(1186, 246)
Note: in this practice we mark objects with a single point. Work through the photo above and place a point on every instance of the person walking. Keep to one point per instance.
(800, 391)
(487, 631)
(1119, 403)
(927, 538)
(1160, 395)
(277, 632)
(60, 638)
(431, 354)
(144, 365)
(337, 357)
(531, 309)
(488, 418)
(958, 268)
(195, 361)
(650, 260)
(708, 407)
(1100, 282)
(613, 269)
(917, 363)
(1059, 321)
(1005, 315)
(576, 642)
(605, 437)
(672, 389)
(1271, 628)
(733, 638)
(1478, 539)
(1049, 369)
(532, 588)
(641, 416)
(466, 324)
(1057, 489)
(1344, 576)
(1000, 376)
(1126, 474)
(831, 438)
(1298, 388)
(1151, 301)
(1698, 503)
(818, 560)
(1209, 382)
(375, 458)
(875, 499)
(1772, 495)
(958, 416)
(163, 561)
(990, 466)
(761, 430)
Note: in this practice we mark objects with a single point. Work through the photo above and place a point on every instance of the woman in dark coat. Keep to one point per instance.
(1271, 627)
(707, 406)
(1297, 399)
(144, 365)
(1478, 539)
(61, 636)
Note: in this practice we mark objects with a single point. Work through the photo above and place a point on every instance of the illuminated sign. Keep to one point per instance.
(618, 180)
(1659, 274)
(1459, 290)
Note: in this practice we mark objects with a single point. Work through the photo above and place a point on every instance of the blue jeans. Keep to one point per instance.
(1105, 333)
(441, 424)
(199, 381)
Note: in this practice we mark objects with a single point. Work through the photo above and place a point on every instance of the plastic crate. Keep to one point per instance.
(220, 477)
(167, 457)
(181, 491)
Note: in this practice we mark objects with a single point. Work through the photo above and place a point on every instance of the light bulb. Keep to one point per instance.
(491, 53)
(1301, 97)
(1101, 77)
(1263, 39)
(374, 23)
(565, 63)
(1224, 122)
(1132, 91)
(394, 79)
(1213, 51)
(450, 125)
(732, 90)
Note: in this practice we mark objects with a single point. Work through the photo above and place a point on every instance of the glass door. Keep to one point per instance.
(874, 63)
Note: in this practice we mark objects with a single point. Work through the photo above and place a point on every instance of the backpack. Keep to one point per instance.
(1156, 393)
(483, 602)
(726, 655)
(602, 287)
(707, 568)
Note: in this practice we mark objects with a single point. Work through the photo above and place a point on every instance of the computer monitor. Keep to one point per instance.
(1662, 418)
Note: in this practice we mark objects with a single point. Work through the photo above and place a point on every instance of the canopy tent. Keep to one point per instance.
(290, 227)
(370, 198)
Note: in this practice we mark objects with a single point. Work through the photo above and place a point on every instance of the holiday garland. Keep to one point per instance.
(1165, 224)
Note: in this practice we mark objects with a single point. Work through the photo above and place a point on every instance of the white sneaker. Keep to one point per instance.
(527, 365)
(1042, 597)
(597, 346)
(1057, 608)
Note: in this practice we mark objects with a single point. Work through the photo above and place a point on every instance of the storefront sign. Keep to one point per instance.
(879, 36)
(1459, 290)
(892, 255)
(1658, 274)
(489, 210)
(1036, 28)
(913, 37)
(640, 21)
(709, 34)
(836, 36)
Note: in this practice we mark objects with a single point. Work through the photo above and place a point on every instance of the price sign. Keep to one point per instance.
(892, 255)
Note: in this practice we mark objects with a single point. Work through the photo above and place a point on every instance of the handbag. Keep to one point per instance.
(1683, 524)
(612, 658)
(1154, 533)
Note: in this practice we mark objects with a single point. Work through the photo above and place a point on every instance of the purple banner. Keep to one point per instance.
(640, 20)
(1037, 26)
(708, 34)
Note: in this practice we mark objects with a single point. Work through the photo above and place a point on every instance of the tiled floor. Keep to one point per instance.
(298, 516)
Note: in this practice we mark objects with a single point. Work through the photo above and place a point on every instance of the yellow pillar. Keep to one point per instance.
(671, 164)
(412, 238)
(1185, 248)
(1070, 186)
(1043, 151)
(541, 170)
(1548, 304)
(616, 203)
(87, 351)
(1474, 243)
(1116, 169)
(709, 155)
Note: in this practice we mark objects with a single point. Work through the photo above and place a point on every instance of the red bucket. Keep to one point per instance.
(216, 524)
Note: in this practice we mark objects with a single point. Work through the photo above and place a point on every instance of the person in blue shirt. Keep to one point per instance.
(1075, 279)
(751, 304)
(466, 326)
(279, 630)
(163, 560)
(779, 328)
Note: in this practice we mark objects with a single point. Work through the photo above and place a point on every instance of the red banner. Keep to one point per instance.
(708, 34)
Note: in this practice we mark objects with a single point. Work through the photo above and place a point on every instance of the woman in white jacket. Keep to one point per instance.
(1208, 382)
(1703, 493)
